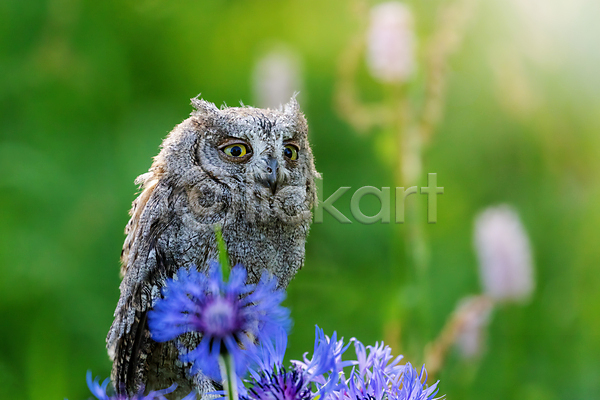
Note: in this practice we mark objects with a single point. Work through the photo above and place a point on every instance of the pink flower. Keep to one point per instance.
(277, 76)
(505, 261)
(391, 42)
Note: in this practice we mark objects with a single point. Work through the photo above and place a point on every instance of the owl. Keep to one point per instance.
(249, 171)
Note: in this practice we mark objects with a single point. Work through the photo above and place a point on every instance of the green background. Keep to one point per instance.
(88, 89)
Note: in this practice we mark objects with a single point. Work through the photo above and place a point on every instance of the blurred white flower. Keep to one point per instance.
(505, 261)
(277, 76)
(391, 42)
(473, 314)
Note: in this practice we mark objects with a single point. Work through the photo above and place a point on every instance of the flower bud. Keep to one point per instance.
(391, 42)
(505, 261)
(277, 76)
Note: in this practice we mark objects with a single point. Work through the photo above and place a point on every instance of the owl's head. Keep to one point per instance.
(257, 162)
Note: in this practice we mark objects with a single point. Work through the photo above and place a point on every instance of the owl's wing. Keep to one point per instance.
(143, 269)
(148, 183)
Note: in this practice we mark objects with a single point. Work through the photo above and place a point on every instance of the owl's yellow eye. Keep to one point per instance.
(236, 150)
(291, 152)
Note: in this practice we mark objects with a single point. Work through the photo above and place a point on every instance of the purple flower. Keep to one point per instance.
(326, 364)
(268, 354)
(99, 391)
(269, 379)
(380, 376)
(229, 315)
(280, 384)
(272, 381)
(412, 386)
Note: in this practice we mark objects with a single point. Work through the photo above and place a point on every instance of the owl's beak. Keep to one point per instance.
(271, 179)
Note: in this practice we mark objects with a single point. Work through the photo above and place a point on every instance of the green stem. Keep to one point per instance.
(229, 377)
(223, 256)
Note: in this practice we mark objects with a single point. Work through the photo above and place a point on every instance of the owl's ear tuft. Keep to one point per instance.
(292, 107)
(293, 112)
(203, 106)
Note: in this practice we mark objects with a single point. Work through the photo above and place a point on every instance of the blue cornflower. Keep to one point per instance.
(230, 315)
(412, 385)
(99, 391)
(326, 365)
(379, 376)
(280, 383)
(272, 381)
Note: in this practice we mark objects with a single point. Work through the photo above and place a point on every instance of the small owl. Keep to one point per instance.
(249, 171)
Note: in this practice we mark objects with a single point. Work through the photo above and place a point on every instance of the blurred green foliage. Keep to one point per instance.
(88, 89)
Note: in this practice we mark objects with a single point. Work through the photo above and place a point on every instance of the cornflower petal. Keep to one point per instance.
(99, 391)
(326, 366)
(412, 386)
(95, 388)
(268, 355)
